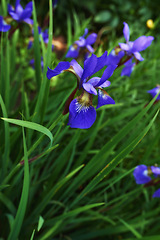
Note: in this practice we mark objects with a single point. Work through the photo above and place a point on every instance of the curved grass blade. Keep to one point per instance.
(31, 125)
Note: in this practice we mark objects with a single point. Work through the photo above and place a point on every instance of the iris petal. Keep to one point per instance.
(89, 88)
(77, 68)
(142, 43)
(141, 174)
(104, 98)
(156, 193)
(81, 116)
(126, 31)
(107, 74)
(60, 67)
(89, 66)
(91, 38)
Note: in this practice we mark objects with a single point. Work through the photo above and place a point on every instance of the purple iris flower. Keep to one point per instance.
(115, 56)
(127, 70)
(74, 49)
(32, 62)
(134, 48)
(44, 35)
(4, 27)
(19, 14)
(155, 91)
(142, 176)
(82, 114)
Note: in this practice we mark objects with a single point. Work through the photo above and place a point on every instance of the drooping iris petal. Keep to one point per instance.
(89, 88)
(104, 98)
(156, 193)
(138, 56)
(113, 58)
(77, 68)
(59, 69)
(141, 174)
(142, 43)
(81, 116)
(91, 38)
(107, 74)
(105, 84)
(126, 31)
(154, 92)
(4, 27)
(89, 66)
(127, 70)
(72, 52)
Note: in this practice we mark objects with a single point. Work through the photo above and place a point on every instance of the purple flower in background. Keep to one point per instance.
(4, 27)
(32, 62)
(142, 175)
(134, 48)
(82, 114)
(115, 56)
(155, 91)
(74, 49)
(44, 35)
(127, 70)
(19, 14)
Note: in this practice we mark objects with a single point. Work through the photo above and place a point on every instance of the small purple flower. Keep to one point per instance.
(141, 174)
(115, 56)
(134, 48)
(4, 27)
(74, 49)
(127, 70)
(155, 91)
(44, 35)
(19, 14)
(81, 112)
(32, 62)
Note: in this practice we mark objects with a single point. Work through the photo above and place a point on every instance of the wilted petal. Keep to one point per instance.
(59, 69)
(89, 88)
(156, 193)
(77, 68)
(104, 98)
(107, 74)
(91, 38)
(141, 174)
(126, 31)
(89, 66)
(81, 116)
(142, 43)
(138, 56)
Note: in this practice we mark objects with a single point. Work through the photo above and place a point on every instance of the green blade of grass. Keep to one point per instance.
(24, 198)
(31, 125)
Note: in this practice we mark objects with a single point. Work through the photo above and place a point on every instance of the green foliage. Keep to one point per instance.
(79, 185)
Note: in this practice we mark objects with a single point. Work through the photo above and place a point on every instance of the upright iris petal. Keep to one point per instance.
(126, 31)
